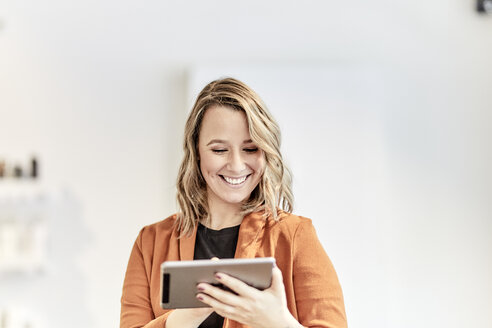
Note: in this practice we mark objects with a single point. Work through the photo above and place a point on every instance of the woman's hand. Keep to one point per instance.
(252, 307)
(188, 318)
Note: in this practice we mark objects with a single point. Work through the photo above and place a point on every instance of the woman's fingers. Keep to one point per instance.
(216, 304)
(219, 294)
(236, 285)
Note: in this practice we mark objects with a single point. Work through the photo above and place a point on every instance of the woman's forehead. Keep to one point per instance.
(225, 124)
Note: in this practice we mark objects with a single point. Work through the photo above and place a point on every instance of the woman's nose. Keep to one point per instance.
(236, 162)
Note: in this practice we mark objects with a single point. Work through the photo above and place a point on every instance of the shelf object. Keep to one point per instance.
(11, 170)
(23, 227)
(484, 6)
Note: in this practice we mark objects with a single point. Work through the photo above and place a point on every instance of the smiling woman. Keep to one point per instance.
(231, 164)
(234, 193)
(237, 111)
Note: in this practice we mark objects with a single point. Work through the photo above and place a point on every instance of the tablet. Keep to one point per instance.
(180, 278)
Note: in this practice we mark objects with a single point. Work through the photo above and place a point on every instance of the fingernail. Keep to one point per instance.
(218, 276)
(200, 297)
(200, 288)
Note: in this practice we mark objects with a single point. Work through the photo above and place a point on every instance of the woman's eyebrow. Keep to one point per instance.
(216, 141)
(224, 142)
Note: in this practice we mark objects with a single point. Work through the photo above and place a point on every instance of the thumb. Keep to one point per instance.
(277, 281)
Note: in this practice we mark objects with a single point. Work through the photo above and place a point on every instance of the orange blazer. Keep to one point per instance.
(314, 295)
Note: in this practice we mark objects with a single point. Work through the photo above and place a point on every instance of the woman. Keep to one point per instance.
(234, 193)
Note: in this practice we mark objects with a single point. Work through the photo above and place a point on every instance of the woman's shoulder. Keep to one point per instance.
(289, 229)
(288, 222)
(291, 218)
(161, 228)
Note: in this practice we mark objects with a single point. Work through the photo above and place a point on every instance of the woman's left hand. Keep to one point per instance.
(252, 307)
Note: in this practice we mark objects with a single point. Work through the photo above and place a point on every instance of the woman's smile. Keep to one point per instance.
(235, 181)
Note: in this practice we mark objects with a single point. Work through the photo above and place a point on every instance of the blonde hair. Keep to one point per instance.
(273, 192)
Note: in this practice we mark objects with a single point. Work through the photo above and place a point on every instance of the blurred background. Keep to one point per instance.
(385, 109)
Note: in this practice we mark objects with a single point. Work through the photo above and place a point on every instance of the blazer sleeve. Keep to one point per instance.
(318, 294)
(136, 307)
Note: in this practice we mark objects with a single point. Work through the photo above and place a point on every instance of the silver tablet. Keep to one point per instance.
(180, 278)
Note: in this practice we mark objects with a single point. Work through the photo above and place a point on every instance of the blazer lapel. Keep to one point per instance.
(250, 233)
(187, 246)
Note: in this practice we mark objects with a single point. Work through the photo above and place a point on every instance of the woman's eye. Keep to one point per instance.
(251, 150)
(218, 151)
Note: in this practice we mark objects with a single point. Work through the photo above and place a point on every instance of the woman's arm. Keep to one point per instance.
(136, 306)
(319, 297)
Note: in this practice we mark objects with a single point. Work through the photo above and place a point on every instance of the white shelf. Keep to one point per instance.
(21, 266)
(24, 187)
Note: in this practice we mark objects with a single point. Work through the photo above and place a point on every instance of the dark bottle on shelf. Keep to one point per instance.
(34, 168)
(18, 171)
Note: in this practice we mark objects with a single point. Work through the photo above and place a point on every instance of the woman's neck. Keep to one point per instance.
(223, 216)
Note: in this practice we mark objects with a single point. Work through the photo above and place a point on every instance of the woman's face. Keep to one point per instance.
(230, 162)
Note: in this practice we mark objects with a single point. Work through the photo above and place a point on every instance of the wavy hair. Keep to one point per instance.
(273, 192)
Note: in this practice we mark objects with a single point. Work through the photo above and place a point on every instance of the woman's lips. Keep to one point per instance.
(235, 181)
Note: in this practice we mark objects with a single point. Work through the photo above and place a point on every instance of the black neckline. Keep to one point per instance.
(223, 231)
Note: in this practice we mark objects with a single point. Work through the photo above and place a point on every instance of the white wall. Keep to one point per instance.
(98, 90)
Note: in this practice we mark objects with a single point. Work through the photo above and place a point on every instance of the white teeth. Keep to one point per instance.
(235, 181)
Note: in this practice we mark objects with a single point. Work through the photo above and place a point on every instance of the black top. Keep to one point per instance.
(215, 243)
